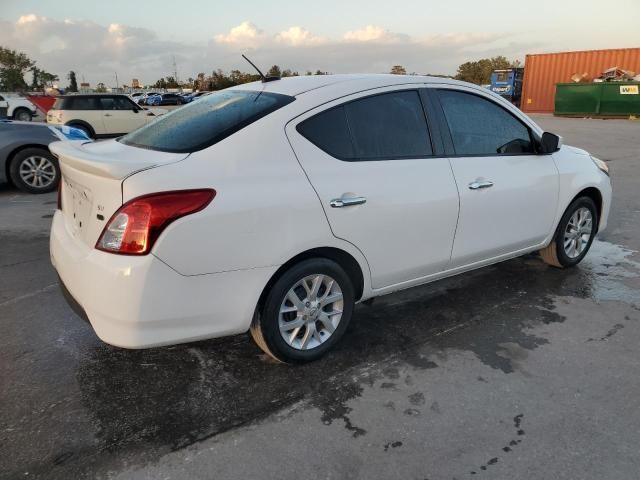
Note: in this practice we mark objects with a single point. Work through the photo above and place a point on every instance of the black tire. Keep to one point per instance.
(22, 115)
(21, 159)
(265, 328)
(80, 126)
(555, 253)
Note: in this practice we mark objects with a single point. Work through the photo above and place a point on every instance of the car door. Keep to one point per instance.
(508, 192)
(371, 161)
(119, 115)
(86, 108)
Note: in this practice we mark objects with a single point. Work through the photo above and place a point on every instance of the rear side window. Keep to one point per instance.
(380, 127)
(82, 103)
(480, 127)
(203, 123)
(107, 103)
(329, 131)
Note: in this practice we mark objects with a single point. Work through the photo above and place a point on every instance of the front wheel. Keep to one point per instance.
(306, 312)
(574, 235)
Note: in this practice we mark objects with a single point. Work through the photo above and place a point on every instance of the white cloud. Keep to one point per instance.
(96, 51)
(298, 36)
(26, 19)
(244, 35)
(372, 33)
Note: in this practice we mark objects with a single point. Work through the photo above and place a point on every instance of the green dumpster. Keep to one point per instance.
(607, 99)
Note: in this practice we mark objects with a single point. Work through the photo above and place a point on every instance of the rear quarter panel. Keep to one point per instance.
(265, 211)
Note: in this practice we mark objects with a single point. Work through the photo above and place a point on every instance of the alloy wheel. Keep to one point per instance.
(577, 233)
(37, 172)
(310, 312)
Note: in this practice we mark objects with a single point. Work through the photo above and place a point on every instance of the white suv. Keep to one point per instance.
(101, 115)
(276, 206)
(18, 108)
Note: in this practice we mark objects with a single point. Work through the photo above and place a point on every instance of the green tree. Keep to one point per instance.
(34, 79)
(479, 72)
(101, 88)
(162, 83)
(73, 84)
(274, 71)
(171, 82)
(47, 79)
(398, 70)
(13, 66)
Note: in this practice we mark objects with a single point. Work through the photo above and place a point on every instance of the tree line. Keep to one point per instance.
(218, 79)
(14, 66)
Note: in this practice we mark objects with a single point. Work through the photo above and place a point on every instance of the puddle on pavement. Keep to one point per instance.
(172, 397)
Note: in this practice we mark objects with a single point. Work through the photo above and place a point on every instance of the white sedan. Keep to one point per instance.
(274, 207)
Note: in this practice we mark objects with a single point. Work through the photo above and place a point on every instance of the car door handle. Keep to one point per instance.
(347, 202)
(477, 185)
(107, 114)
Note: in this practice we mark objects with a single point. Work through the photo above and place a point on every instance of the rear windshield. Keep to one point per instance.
(205, 122)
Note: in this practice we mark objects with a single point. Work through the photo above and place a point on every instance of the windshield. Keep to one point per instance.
(201, 124)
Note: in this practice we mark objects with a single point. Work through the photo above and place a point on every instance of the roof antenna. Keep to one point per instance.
(264, 79)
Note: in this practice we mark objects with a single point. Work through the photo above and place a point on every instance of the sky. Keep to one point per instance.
(141, 38)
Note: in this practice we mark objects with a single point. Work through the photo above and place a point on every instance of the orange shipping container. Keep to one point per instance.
(542, 71)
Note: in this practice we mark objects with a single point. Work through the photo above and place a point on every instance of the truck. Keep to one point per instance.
(508, 84)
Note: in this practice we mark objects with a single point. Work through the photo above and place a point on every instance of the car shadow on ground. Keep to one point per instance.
(175, 396)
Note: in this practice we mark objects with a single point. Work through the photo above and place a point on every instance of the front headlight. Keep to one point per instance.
(601, 164)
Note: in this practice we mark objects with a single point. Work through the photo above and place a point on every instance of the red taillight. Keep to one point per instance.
(135, 227)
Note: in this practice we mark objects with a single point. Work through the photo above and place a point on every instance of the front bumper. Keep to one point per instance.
(139, 302)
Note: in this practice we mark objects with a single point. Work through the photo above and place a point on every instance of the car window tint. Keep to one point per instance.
(481, 127)
(107, 103)
(84, 103)
(122, 103)
(205, 122)
(329, 131)
(386, 126)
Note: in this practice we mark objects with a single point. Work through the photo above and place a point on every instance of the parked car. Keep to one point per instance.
(197, 95)
(18, 108)
(166, 99)
(25, 159)
(100, 115)
(143, 99)
(276, 206)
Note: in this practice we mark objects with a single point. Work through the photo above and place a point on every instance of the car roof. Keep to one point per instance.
(295, 86)
(78, 95)
(24, 124)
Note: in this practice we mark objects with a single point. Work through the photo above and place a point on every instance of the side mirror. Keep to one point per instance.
(550, 142)
(135, 109)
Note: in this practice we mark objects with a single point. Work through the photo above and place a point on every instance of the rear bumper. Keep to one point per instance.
(139, 302)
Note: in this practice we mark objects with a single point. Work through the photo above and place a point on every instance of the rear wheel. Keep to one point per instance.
(574, 235)
(22, 115)
(34, 170)
(306, 312)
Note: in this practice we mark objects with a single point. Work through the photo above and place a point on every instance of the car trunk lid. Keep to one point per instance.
(91, 184)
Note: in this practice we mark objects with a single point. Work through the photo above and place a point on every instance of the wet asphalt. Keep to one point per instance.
(513, 371)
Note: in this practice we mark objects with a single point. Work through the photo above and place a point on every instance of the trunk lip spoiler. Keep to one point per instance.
(72, 154)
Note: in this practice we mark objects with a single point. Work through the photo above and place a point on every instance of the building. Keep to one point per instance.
(135, 83)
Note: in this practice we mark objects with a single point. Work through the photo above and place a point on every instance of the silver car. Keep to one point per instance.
(25, 159)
